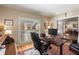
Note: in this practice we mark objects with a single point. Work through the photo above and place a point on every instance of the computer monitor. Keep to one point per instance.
(52, 32)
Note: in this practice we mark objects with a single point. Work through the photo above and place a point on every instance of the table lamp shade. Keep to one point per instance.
(1, 27)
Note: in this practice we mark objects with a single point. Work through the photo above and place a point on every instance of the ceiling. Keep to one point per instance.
(45, 9)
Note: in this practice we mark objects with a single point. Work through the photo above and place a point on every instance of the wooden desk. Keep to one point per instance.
(10, 49)
(60, 44)
(58, 41)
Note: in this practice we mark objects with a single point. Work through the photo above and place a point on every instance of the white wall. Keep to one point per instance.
(61, 16)
(8, 13)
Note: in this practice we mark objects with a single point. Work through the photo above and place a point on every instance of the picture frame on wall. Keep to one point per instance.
(75, 25)
(8, 22)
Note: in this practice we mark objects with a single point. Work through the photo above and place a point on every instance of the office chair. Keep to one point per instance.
(41, 47)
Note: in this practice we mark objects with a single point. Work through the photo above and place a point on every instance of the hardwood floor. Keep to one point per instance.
(54, 51)
(24, 47)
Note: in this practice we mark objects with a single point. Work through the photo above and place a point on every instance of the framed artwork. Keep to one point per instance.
(45, 25)
(8, 22)
(75, 25)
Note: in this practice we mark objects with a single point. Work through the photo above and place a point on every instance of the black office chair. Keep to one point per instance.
(41, 47)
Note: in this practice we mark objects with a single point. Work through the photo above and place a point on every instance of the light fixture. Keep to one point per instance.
(65, 14)
(49, 26)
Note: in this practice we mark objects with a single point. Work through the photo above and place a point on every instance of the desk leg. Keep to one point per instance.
(61, 49)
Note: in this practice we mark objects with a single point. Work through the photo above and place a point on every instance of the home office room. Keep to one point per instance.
(27, 29)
